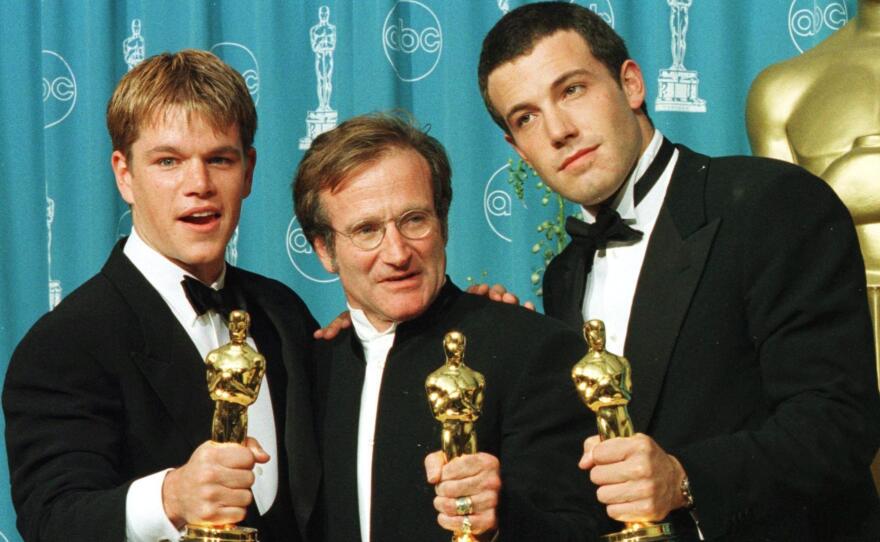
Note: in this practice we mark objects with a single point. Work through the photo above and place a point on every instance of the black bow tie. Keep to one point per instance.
(608, 227)
(204, 298)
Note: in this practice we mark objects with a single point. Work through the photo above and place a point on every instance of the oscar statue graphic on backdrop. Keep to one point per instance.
(678, 87)
(323, 40)
(133, 47)
(55, 292)
(235, 372)
(820, 110)
(604, 383)
(455, 394)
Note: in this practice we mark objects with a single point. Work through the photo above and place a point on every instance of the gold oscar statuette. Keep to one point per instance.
(455, 393)
(235, 371)
(604, 383)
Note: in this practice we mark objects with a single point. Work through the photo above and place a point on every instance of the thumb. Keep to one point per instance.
(260, 455)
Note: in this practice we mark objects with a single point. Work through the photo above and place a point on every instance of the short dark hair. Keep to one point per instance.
(517, 33)
(347, 149)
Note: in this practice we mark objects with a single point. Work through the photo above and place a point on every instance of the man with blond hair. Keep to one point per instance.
(108, 417)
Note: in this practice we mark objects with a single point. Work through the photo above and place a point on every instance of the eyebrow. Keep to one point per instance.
(172, 149)
(556, 82)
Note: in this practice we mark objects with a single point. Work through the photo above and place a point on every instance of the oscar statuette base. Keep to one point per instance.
(642, 532)
(232, 533)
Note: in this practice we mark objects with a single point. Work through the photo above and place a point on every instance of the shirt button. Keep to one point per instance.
(258, 470)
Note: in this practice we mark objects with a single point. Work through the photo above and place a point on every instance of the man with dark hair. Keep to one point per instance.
(373, 197)
(107, 408)
(734, 286)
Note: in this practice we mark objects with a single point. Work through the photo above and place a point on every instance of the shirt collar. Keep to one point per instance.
(365, 330)
(164, 275)
(624, 200)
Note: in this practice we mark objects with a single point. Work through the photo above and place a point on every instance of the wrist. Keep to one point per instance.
(682, 488)
(169, 502)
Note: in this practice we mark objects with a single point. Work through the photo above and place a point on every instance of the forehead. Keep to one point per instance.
(398, 181)
(550, 57)
(187, 126)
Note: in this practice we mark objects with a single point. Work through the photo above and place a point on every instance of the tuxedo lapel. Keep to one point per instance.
(674, 262)
(564, 285)
(298, 429)
(168, 360)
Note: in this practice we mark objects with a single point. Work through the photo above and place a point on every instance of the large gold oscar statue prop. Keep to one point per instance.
(821, 110)
(455, 393)
(604, 383)
(235, 371)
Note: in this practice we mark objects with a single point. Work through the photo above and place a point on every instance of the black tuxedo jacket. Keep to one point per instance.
(532, 420)
(108, 388)
(751, 350)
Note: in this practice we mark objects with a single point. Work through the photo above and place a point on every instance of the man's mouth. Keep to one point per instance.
(201, 218)
(577, 155)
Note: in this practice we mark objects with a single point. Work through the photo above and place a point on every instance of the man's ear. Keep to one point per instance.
(122, 172)
(325, 254)
(512, 143)
(250, 157)
(633, 84)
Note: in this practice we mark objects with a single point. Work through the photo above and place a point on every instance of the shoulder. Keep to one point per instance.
(514, 329)
(274, 296)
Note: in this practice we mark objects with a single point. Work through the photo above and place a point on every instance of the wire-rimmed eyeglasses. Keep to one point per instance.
(413, 225)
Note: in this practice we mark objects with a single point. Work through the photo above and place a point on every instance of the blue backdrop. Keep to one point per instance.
(60, 60)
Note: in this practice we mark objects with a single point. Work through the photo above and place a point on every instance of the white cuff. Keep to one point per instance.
(145, 519)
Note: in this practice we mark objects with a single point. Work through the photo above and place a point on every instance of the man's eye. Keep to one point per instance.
(522, 120)
(572, 90)
(166, 162)
(366, 230)
(220, 160)
(414, 219)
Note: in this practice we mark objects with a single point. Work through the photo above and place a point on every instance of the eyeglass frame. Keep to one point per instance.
(431, 215)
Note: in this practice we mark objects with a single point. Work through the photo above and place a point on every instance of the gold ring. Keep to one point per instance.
(466, 525)
(464, 506)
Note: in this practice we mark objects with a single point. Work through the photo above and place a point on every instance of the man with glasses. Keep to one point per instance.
(373, 197)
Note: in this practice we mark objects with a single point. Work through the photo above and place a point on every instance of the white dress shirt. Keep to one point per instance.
(611, 283)
(376, 346)
(145, 519)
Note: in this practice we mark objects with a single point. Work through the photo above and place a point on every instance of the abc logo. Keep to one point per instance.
(602, 9)
(59, 88)
(498, 204)
(412, 39)
(811, 21)
(243, 60)
(303, 258)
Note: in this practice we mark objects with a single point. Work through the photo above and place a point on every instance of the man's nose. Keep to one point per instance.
(559, 126)
(198, 179)
(395, 247)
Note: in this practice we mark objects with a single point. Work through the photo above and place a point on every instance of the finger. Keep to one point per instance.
(333, 329)
(615, 473)
(480, 502)
(615, 450)
(434, 465)
(231, 455)
(587, 462)
(478, 289)
(510, 299)
(480, 523)
(621, 493)
(529, 305)
(260, 455)
(469, 465)
(485, 481)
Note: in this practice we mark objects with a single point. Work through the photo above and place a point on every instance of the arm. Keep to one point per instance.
(544, 496)
(815, 427)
